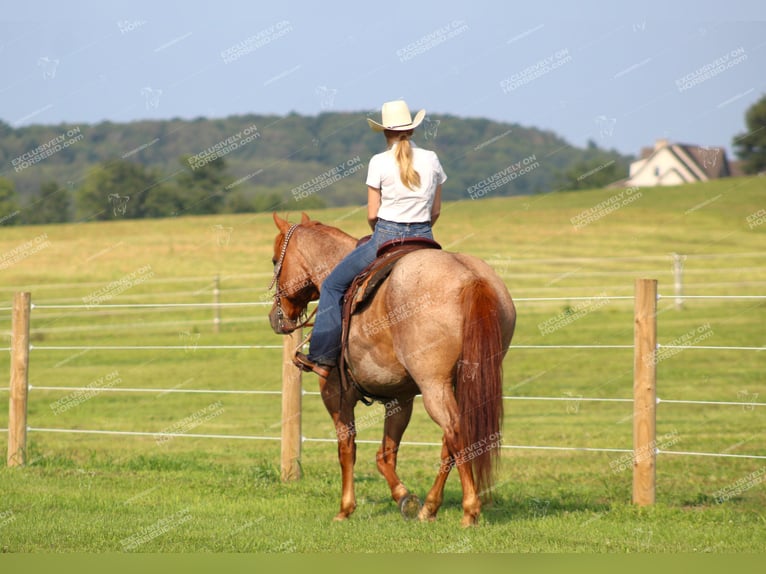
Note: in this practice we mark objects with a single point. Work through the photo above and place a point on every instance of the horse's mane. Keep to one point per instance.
(319, 226)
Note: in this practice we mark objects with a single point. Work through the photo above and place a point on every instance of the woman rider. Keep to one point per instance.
(404, 185)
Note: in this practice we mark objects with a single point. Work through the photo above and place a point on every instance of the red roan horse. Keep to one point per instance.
(439, 326)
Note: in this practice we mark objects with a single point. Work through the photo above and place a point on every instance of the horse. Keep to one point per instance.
(438, 326)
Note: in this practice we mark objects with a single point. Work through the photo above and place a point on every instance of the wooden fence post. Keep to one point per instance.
(644, 391)
(291, 409)
(17, 404)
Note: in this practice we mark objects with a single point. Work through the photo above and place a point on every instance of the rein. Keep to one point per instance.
(275, 281)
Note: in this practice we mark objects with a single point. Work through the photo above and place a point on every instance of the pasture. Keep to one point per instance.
(143, 493)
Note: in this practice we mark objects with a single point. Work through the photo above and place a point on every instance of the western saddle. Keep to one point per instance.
(363, 288)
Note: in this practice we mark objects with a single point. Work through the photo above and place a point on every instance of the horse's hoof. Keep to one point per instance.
(426, 516)
(340, 517)
(409, 506)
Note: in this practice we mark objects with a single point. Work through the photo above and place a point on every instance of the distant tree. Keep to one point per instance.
(591, 173)
(9, 205)
(165, 201)
(117, 189)
(52, 204)
(750, 147)
(202, 185)
(162, 192)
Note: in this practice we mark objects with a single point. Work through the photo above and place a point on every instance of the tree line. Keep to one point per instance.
(120, 188)
(170, 168)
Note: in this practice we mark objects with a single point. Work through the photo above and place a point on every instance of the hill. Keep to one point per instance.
(262, 161)
(550, 242)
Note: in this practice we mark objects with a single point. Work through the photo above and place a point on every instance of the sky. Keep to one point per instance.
(622, 74)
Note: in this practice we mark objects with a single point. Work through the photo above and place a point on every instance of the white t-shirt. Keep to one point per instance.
(400, 203)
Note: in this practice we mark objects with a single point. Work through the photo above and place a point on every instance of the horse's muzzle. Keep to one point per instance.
(280, 324)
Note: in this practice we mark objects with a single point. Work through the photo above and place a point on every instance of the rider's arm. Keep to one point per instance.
(436, 208)
(373, 205)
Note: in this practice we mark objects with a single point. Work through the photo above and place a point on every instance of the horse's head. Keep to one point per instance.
(295, 279)
(304, 254)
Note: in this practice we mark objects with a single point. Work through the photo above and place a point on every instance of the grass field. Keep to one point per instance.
(114, 493)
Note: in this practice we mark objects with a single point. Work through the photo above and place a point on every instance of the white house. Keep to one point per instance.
(673, 164)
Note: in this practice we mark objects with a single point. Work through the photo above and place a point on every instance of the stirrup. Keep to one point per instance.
(307, 365)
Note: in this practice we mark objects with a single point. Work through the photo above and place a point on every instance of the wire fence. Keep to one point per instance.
(517, 267)
(75, 389)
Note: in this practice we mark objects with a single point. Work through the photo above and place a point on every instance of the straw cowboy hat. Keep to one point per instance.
(396, 116)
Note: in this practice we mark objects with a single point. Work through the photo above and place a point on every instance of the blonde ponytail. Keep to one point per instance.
(403, 154)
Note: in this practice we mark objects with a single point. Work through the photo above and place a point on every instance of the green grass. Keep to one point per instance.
(105, 493)
(207, 507)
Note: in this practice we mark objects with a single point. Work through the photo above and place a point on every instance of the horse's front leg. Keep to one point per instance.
(344, 427)
(398, 414)
(341, 410)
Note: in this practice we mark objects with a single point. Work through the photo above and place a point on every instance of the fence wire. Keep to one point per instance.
(164, 436)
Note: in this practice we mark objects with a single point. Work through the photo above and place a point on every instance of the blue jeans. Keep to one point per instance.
(326, 335)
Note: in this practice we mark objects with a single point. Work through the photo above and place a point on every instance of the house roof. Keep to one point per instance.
(646, 152)
(711, 160)
(699, 160)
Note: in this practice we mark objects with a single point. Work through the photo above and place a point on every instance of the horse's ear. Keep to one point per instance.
(304, 218)
(282, 224)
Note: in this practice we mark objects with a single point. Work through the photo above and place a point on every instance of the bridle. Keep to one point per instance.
(275, 281)
(278, 266)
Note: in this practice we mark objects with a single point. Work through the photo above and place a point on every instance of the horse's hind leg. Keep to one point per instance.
(443, 409)
(397, 418)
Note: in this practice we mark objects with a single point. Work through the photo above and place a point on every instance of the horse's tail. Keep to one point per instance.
(479, 382)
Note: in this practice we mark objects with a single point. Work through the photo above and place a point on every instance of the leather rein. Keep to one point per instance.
(275, 281)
